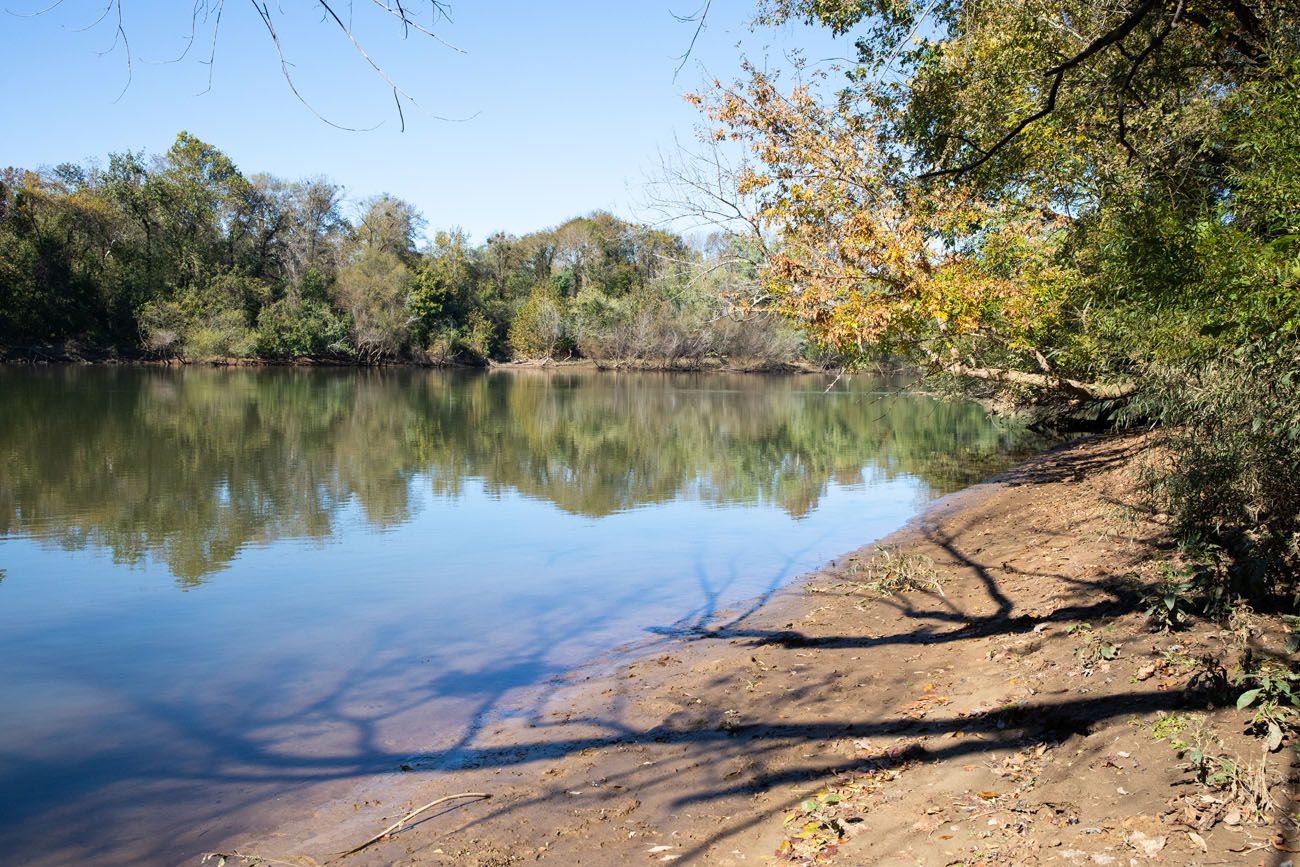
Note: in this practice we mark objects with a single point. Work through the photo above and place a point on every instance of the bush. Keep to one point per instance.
(373, 289)
(537, 330)
(219, 335)
(441, 345)
(162, 326)
(294, 329)
(478, 336)
(1230, 476)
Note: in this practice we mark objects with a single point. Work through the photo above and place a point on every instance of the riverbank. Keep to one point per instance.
(72, 353)
(1006, 701)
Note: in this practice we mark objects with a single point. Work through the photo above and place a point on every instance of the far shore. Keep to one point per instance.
(73, 355)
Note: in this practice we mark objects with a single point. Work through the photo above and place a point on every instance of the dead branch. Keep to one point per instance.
(207, 14)
(1073, 387)
(411, 815)
(699, 17)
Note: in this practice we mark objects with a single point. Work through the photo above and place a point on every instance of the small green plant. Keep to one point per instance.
(1196, 743)
(1095, 650)
(1271, 695)
(1169, 601)
(1175, 658)
(1212, 769)
(1209, 570)
(1198, 583)
(1169, 725)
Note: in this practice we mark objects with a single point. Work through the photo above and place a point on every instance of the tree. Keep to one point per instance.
(53, 241)
(390, 225)
(959, 198)
(538, 326)
(441, 287)
(372, 290)
(1086, 205)
(205, 205)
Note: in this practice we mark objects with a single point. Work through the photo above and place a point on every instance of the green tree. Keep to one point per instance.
(537, 329)
(1064, 202)
(373, 290)
(441, 288)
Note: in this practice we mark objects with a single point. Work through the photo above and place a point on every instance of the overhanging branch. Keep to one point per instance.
(1057, 74)
(1075, 388)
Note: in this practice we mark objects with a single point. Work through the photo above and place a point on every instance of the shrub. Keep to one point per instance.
(373, 289)
(441, 345)
(293, 329)
(1230, 431)
(162, 326)
(477, 337)
(537, 330)
(219, 335)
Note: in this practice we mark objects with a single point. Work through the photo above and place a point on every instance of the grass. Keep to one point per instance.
(891, 571)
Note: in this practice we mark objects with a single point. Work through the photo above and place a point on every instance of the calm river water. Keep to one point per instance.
(221, 589)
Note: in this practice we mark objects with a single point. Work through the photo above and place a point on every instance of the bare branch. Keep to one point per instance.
(1073, 387)
(699, 17)
(55, 5)
(408, 23)
(108, 7)
(1136, 63)
(205, 13)
(265, 15)
(212, 55)
(379, 70)
(884, 67)
(198, 6)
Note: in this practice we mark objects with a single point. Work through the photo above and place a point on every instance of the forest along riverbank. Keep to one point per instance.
(982, 687)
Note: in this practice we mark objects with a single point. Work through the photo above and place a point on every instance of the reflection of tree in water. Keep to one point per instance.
(191, 465)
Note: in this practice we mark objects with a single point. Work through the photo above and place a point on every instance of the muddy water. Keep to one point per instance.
(228, 595)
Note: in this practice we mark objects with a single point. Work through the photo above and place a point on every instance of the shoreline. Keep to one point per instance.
(1000, 704)
(47, 356)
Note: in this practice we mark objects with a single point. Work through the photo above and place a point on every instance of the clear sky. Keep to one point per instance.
(573, 99)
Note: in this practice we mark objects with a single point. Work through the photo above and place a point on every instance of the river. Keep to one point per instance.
(225, 594)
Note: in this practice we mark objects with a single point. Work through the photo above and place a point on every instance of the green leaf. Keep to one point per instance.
(1247, 698)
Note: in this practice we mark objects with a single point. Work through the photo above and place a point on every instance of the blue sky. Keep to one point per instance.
(572, 99)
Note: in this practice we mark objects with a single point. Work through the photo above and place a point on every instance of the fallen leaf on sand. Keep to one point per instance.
(1280, 844)
(929, 824)
(1148, 846)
